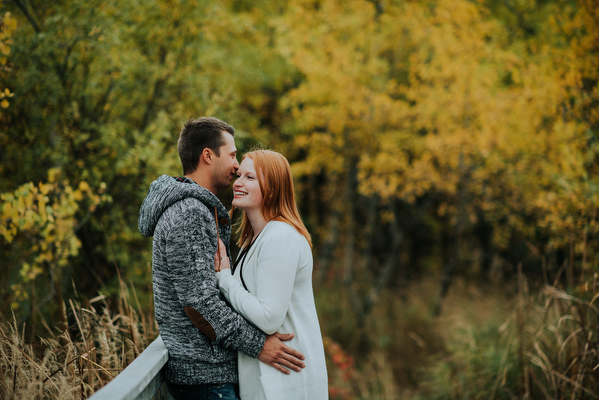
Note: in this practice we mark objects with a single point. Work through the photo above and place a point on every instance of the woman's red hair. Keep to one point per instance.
(278, 195)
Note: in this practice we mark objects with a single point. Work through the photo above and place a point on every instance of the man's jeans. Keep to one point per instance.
(225, 391)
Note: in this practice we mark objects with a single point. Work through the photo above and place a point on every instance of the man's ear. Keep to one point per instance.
(207, 156)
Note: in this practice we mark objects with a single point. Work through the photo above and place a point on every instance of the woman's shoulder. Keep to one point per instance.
(284, 240)
(281, 227)
(284, 230)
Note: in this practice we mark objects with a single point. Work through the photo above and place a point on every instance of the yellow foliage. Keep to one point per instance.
(441, 100)
(7, 26)
(45, 218)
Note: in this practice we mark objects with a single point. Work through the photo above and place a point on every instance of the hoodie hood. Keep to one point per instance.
(166, 191)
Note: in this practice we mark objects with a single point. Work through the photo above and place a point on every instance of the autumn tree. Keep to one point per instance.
(102, 90)
(426, 138)
(440, 126)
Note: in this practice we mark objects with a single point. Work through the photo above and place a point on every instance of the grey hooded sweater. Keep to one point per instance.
(181, 218)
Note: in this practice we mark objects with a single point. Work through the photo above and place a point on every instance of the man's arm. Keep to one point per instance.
(191, 259)
(189, 254)
(268, 303)
(274, 353)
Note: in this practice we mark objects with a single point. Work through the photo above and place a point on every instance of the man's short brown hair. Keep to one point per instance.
(197, 135)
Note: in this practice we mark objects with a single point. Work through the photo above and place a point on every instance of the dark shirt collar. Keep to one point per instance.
(184, 179)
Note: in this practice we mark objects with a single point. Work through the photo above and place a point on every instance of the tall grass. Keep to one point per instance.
(490, 343)
(400, 337)
(565, 350)
(103, 337)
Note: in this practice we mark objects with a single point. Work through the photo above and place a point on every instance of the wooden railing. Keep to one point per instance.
(142, 379)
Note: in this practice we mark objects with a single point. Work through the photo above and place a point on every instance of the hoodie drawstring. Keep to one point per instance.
(217, 238)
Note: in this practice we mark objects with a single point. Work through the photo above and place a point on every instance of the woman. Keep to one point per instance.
(271, 281)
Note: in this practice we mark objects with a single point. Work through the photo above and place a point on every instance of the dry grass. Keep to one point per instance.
(73, 363)
(489, 343)
(565, 350)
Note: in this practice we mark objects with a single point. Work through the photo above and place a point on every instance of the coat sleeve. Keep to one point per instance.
(277, 263)
(191, 247)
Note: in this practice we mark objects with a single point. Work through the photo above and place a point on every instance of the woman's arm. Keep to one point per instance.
(277, 263)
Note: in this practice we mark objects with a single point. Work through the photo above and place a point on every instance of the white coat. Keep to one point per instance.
(278, 274)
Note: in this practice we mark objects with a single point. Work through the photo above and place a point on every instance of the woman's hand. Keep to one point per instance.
(221, 260)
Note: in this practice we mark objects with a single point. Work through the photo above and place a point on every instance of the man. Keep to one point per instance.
(186, 219)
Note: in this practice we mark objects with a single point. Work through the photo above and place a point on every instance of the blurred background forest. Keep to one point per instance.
(446, 163)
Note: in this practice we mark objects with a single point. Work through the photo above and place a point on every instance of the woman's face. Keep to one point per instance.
(246, 189)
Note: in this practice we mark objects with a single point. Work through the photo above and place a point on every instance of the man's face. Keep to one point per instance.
(225, 165)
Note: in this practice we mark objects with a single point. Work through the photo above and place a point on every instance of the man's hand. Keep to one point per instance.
(278, 355)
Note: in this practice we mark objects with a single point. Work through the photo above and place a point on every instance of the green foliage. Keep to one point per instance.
(39, 223)
(480, 362)
(103, 89)
(381, 358)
